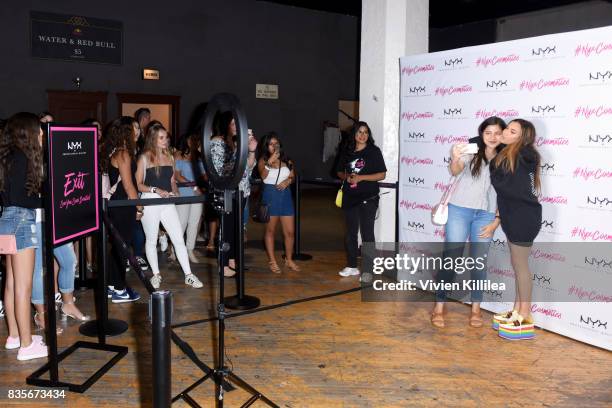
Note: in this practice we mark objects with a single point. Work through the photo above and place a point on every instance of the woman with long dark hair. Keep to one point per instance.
(21, 176)
(515, 175)
(117, 159)
(277, 173)
(361, 166)
(224, 154)
(189, 168)
(471, 212)
(155, 179)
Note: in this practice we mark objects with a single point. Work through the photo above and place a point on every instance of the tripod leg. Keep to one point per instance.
(256, 394)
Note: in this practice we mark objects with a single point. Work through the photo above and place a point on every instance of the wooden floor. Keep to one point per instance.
(334, 352)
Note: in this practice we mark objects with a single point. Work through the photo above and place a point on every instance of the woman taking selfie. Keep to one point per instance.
(277, 173)
(471, 212)
(515, 175)
(361, 166)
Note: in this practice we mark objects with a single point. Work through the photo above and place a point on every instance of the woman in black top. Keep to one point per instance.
(118, 160)
(360, 167)
(515, 175)
(21, 176)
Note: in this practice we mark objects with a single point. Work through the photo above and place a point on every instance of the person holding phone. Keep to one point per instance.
(155, 178)
(471, 212)
(361, 166)
(277, 173)
(515, 175)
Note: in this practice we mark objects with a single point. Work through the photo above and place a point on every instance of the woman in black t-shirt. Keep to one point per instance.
(360, 167)
(515, 175)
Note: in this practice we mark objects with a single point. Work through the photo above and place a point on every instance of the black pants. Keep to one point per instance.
(360, 217)
(124, 220)
(229, 231)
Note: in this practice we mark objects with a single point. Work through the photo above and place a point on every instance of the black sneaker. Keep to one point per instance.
(125, 295)
(142, 263)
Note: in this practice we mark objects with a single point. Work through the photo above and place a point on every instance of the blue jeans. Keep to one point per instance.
(67, 262)
(464, 224)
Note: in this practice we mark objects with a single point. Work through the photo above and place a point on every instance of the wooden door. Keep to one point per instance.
(73, 107)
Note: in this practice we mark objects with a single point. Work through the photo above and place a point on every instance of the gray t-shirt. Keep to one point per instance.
(474, 192)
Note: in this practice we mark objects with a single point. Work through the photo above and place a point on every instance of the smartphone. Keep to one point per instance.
(471, 148)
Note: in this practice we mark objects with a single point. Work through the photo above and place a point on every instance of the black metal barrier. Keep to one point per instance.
(161, 321)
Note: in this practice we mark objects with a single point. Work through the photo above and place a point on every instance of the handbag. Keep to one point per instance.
(261, 213)
(439, 213)
(339, 196)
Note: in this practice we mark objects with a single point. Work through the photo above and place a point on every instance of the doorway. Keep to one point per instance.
(164, 108)
(73, 107)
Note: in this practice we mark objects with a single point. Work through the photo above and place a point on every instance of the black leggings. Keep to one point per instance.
(124, 220)
(360, 217)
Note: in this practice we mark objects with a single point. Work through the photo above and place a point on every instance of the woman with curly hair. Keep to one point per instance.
(117, 159)
(21, 178)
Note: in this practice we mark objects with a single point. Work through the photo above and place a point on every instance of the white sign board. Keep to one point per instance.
(266, 91)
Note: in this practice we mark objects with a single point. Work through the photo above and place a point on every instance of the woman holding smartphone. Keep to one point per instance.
(515, 175)
(155, 178)
(361, 166)
(471, 212)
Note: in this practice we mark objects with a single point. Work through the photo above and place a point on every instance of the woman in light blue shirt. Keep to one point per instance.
(189, 169)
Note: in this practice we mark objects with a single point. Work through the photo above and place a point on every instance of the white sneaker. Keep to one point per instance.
(193, 258)
(193, 281)
(156, 280)
(349, 272)
(163, 242)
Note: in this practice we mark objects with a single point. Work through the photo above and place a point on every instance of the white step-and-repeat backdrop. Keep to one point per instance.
(563, 84)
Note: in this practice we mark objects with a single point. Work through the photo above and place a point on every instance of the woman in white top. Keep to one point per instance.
(277, 173)
(155, 178)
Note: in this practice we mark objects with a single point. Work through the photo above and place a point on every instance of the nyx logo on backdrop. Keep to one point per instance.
(499, 242)
(452, 63)
(417, 90)
(598, 203)
(497, 84)
(548, 224)
(544, 52)
(74, 145)
(547, 168)
(452, 111)
(415, 225)
(542, 279)
(600, 139)
(600, 76)
(593, 323)
(416, 181)
(493, 294)
(543, 109)
(598, 262)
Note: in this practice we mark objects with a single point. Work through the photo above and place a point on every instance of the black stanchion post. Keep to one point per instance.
(161, 322)
(240, 301)
(50, 323)
(297, 253)
(102, 326)
(82, 279)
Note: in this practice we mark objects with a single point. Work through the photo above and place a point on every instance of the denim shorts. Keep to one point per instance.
(20, 222)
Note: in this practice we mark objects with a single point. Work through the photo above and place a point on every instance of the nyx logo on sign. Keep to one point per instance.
(497, 84)
(544, 51)
(543, 109)
(600, 201)
(416, 180)
(548, 224)
(593, 323)
(600, 76)
(74, 145)
(453, 62)
(416, 225)
(447, 160)
(548, 167)
(499, 242)
(416, 135)
(604, 263)
(541, 278)
(416, 90)
(600, 139)
(452, 111)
